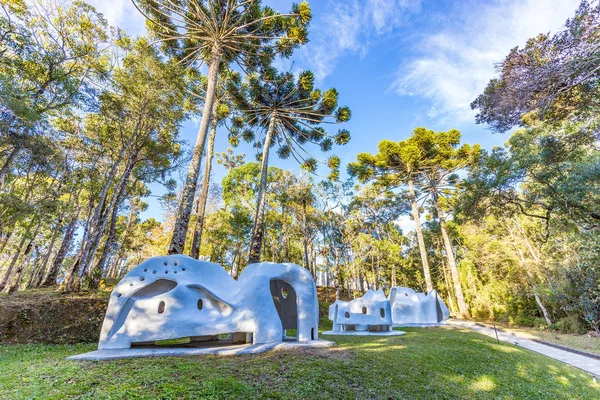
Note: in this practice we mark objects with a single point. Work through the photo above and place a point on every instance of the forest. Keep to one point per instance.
(90, 121)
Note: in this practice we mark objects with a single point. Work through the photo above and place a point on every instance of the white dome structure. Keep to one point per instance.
(366, 315)
(410, 308)
(178, 298)
(374, 314)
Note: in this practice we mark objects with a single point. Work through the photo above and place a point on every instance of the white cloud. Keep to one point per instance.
(348, 26)
(454, 65)
(122, 14)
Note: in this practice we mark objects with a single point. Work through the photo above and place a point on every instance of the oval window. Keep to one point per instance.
(284, 292)
(161, 307)
(347, 314)
(382, 312)
(200, 304)
(364, 310)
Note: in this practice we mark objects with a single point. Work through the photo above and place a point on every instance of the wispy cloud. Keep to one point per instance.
(348, 26)
(453, 65)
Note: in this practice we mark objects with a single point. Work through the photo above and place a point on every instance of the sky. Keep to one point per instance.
(398, 64)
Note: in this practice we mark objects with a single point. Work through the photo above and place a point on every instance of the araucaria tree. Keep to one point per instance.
(427, 162)
(290, 112)
(219, 32)
(397, 164)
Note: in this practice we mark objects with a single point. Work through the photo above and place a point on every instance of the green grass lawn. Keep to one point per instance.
(432, 363)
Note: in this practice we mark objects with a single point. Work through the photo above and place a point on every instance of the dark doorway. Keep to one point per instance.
(284, 297)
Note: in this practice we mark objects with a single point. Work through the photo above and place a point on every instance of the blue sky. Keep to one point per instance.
(398, 64)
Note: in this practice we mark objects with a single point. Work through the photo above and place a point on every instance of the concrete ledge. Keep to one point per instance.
(419, 325)
(366, 333)
(114, 354)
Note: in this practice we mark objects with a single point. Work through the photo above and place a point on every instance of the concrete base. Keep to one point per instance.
(420, 325)
(363, 333)
(112, 354)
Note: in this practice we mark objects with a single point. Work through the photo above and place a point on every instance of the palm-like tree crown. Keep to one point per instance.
(298, 111)
(240, 30)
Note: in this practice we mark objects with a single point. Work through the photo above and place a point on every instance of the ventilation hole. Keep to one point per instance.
(154, 271)
(165, 263)
(200, 304)
(347, 315)
(142, 278)
(119, 295)
(175, 264)
(145, 269)
(183, 269)
(364, 310)
(131, 284)
(406, 294)
(174, 272)
(284, 293)
(161, 307)
(167, 271)
(382, 312)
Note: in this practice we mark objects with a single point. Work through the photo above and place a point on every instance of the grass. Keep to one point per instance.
(436, 363)
(585, 342)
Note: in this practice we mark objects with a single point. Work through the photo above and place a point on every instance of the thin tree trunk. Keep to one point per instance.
(305, 235)
(460, 298)
(12, 283)
(9, 271)
(85, 269)
(50, 278)
(530, 275)
(7, 163)
(41, 272)
(259, 219)
(184, 212)
(420, 240)
(201, 209)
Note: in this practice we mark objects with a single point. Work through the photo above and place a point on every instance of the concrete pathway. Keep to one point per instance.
(587, 364)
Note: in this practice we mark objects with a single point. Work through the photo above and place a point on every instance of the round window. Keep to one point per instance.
(347, 314)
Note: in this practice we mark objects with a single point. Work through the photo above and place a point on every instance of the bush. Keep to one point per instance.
(570, 324)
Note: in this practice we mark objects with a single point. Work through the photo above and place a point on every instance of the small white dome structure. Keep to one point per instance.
(175, 297)
(366, 315)
(374, 314)
(410, 308)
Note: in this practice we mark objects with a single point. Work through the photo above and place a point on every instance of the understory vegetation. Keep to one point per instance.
(90, 120)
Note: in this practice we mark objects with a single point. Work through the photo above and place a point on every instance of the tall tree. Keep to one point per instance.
(290, 112)
(219, 32)
(221, 110)
(443, 158)
(397, 164)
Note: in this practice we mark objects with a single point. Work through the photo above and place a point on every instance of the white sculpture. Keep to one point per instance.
(366, 315)
(177, 297)
(412, 308)
(374, 314)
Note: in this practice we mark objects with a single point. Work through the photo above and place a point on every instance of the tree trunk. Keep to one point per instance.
(184, 212)
(85, 269)
(305, 235)
(9, 270)
(41, 272)
(420, 240)
(201, 209)
(13, 280)
(50, 278)
(7, 163)
(460, 298)
(259, 219)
